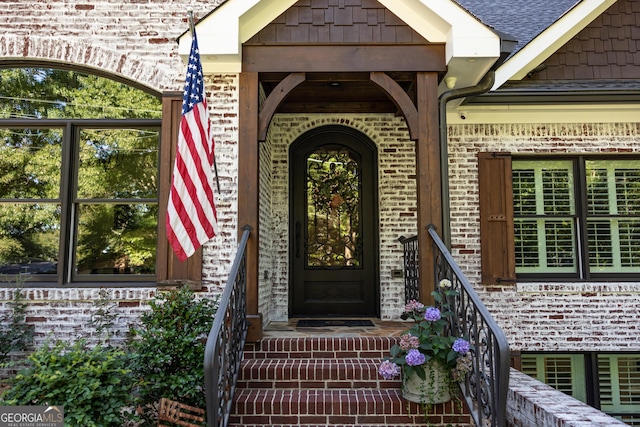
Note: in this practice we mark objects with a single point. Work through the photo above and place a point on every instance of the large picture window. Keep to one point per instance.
(79, 159)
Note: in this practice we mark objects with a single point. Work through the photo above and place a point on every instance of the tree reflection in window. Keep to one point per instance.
(333, 208)
(78, 176)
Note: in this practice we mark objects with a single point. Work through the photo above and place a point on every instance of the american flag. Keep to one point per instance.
(191, 214)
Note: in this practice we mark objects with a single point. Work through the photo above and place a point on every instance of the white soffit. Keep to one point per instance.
(552, 113)
(549, 41)
(471, 47)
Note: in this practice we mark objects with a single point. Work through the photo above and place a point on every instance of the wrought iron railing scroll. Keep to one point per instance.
(225, 344)
(411, 270)
(485, 386)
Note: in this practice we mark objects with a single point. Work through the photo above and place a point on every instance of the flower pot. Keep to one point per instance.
(435, 388)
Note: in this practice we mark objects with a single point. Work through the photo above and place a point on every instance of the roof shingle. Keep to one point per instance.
(522, 19)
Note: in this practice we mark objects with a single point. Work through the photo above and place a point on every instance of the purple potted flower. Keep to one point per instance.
(427, 352)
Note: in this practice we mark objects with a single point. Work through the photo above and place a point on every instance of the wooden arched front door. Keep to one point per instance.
(334, 224)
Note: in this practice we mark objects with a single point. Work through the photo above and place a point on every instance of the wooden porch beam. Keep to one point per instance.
(248, 192)
(400, 99)
(275, 99)
(427, 178)
(343, 58)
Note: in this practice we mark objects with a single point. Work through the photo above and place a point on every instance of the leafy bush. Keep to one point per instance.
(15, 333)
(93, 384)
(168, 348)
(104, 316)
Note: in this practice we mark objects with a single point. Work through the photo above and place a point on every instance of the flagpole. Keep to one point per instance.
(192, 28)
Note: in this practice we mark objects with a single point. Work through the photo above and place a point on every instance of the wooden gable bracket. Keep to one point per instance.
(401, 100)
(274, 99)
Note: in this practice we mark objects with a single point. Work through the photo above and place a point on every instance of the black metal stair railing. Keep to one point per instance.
(411, 270)
(225, 344)
(486, 385)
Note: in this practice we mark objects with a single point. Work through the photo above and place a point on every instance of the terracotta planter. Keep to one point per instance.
(436, 388)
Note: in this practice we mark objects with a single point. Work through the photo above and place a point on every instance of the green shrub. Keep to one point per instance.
(168, 348)
(93, 384)
(104, 316)
(15, 333)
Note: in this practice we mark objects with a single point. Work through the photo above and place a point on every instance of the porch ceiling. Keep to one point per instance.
(338, 93)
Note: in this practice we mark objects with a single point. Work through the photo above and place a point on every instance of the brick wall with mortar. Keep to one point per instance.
(268, 254)
(543, 316)
(532, 403)
(135, 39)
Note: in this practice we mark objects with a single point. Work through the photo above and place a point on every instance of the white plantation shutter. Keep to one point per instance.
(544, 216)
(613, 209)
(564, 372)
(619, 382)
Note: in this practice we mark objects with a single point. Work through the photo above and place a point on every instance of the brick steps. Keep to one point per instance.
(320, 348)
(326, 407)
(313, 374)
(324, 382)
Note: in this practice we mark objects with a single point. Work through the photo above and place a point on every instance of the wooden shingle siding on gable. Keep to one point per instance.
(337, 21)
(608, 48)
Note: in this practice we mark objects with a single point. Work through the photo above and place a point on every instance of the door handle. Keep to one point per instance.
(298, 237)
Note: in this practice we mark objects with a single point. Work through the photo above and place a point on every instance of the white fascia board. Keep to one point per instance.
(548, 113)
(221, 34)
(549, 41)
(261, 15)
(421, 17)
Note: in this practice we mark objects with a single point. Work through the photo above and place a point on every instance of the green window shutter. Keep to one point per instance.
(496, 218)
(619, 384)
(545, 216)
(613, 215)
(564, 372)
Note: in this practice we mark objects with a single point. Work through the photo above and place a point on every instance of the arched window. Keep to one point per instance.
(79, 157)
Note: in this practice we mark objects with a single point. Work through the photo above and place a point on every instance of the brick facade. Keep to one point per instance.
(542, 316)
(136, 40)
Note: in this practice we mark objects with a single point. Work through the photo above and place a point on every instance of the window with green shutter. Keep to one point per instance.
(564, 372)
(544, 217)
(608, 381)
(573, 217)
(619, 384)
